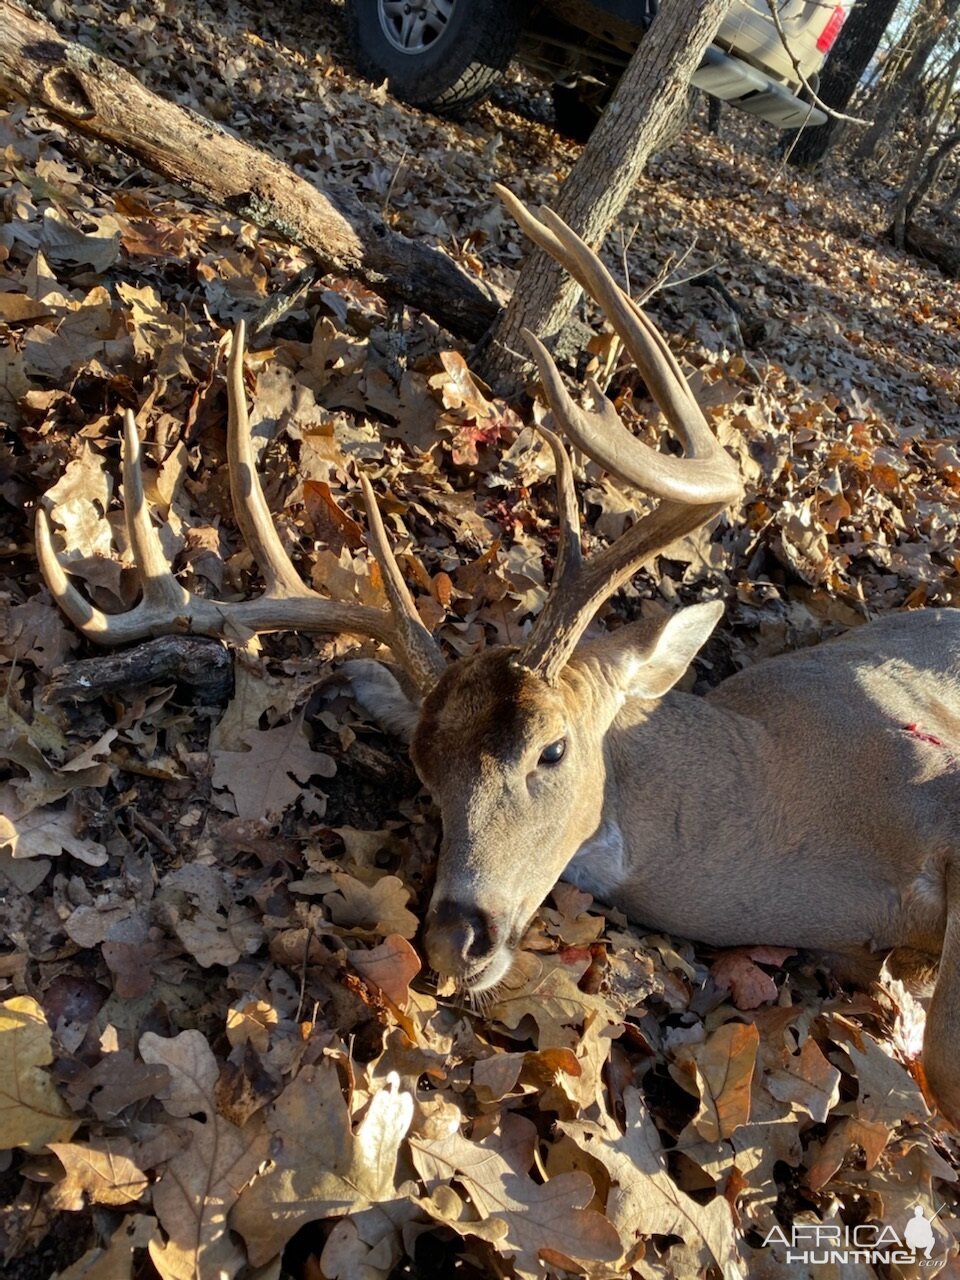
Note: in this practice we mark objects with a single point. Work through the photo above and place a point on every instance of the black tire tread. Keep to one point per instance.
(495, 30)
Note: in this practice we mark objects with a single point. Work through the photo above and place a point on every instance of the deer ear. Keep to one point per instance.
(380, 693)
(649, 669)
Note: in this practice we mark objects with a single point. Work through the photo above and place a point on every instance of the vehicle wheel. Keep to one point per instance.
(442, 54)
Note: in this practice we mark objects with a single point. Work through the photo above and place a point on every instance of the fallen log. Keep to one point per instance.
(927, 244)
(94, 96)
(202, 667)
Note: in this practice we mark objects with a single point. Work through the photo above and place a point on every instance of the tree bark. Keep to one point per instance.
(911, 192)
(202, 667)
(652, 89)
(899, 93)
(856, 44)
(92, 95)
(931, 173)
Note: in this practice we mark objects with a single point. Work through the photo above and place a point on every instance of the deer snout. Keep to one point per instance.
(460, 938)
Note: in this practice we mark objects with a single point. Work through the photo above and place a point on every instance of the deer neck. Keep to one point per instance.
(671, 767)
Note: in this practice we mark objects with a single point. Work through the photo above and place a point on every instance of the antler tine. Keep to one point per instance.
(579, 587)
(91, 621)
(412, 642)
(246, 492)
(705, 473)
(287, 603)
(569, 552)
(693, 488)
(408, 637)
(161, 590)
(574, 598)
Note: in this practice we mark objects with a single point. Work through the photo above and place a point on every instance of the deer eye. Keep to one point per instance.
(553, 754)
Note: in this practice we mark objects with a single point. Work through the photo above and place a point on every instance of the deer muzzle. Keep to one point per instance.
(468, 944)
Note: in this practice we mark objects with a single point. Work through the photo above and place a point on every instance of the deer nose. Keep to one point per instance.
(458, 935)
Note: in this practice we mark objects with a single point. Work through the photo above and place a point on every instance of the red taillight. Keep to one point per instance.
(832, 29)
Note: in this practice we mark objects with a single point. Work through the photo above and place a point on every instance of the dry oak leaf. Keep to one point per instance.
(250, 1023)
(521, 1218)
(321, 1167)
(551, 997)
(63, 241)
(200, 1185)
(91, 333)
(379, 908)
(101, 1171)
(78, 501)
(736, 971)
(458, 388)
(45, 833)
(888, 1094)
(25, 745)
(568, 919)
(198, 902)
(153, 329)
(22, 876)
(644, 1200)
(723, 1068)
(807, 1080)
(117, 1081)
(33, 630)
(392, 967)
(18, 308)
(368, 1245)
(845, 1139)
(496, 1077)
(32, 1113)
(268, 779)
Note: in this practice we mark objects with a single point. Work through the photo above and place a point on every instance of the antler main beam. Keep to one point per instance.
(287, 603)
(693, 488)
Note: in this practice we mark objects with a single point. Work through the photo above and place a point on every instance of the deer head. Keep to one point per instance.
(510, 742)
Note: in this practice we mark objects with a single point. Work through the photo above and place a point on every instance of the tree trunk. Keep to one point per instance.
(91, 94)
(948, 208)
(897, 56)
(914, 187)
(652, 89)
(856, 44)
(931, 173)
(900, 92)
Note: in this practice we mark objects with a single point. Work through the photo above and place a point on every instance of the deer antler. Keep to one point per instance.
(287, 603)
(693, 488)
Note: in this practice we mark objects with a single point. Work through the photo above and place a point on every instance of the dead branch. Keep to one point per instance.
(93, 95)
(202, 666)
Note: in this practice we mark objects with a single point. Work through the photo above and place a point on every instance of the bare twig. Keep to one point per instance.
(663, 280)
(814, 99)
(393, 181)
(153, 832)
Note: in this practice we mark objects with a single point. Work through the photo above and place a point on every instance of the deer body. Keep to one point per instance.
(812, 800)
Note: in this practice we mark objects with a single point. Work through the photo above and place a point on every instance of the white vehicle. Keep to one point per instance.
(448, 54)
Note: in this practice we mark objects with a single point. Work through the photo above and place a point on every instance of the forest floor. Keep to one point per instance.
(218, 1053)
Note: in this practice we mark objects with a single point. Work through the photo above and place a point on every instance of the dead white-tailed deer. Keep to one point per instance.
(811, 801)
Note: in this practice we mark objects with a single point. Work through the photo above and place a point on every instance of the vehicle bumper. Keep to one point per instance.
(748, 89)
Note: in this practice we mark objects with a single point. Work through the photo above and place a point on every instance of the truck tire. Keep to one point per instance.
(443, 54)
